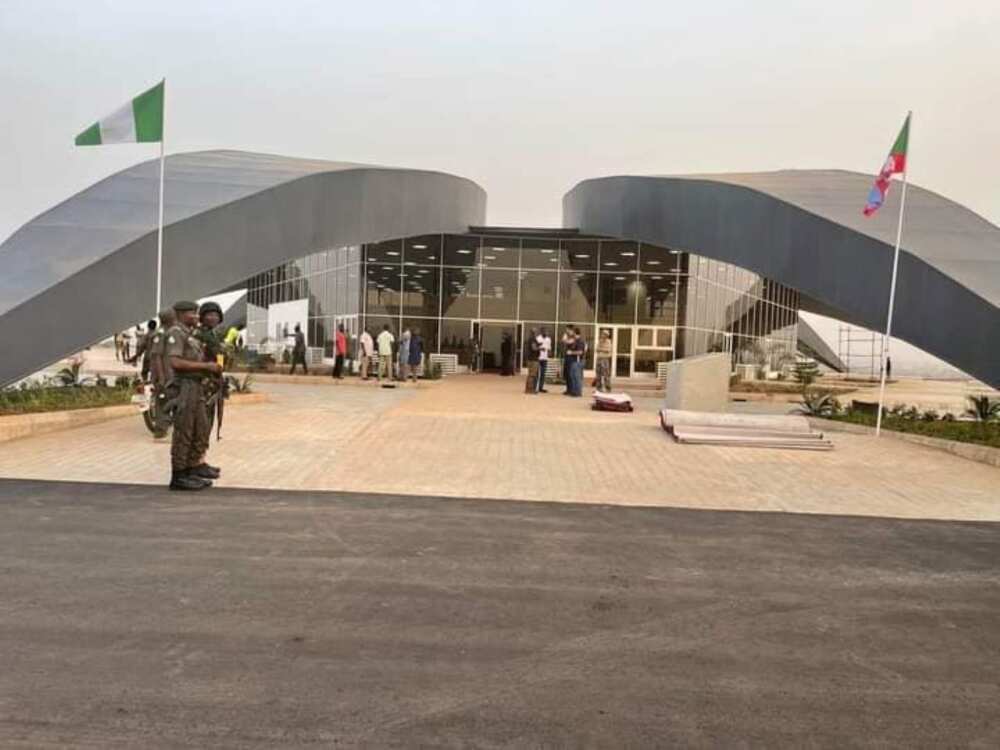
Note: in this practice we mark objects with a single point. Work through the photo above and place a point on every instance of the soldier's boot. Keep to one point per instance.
(184, 481)
(204, 471)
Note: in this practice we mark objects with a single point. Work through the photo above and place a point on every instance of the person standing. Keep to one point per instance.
(367, 345)
(385, 343)
(126, 344)
(544, 348)
(404, 353)
(416, 353)
(565, 343)
(186, 360)
(160, 374)
(339, 352)
(142, 349)
(603, 362)
(531, 382)
(506, 355)
(576, 347)
(299, 351)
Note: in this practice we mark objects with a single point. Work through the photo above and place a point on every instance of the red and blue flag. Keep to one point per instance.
(895, 164)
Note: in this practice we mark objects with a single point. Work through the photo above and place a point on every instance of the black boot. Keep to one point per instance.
(186, 482)
(204, 471)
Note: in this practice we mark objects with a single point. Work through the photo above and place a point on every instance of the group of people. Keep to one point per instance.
(574, 354)
(406, 354)
(183, 356)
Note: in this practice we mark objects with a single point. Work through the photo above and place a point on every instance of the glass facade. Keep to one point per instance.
(466, 293)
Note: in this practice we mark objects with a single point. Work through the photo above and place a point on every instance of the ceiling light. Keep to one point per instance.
(582, 255)
(657, 278)
(652, 262)
(547, 251)
(610, 263)
(465, 252)
(420, 247)
(619, 278)
(392, 252)
(675, 252)
(490, 257)
(627, 254)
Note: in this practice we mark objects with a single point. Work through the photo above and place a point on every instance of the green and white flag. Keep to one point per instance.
(139, 121)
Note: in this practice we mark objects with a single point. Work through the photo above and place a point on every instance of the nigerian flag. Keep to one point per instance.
(139, 121)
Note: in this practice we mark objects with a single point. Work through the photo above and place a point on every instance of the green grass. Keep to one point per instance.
(981, 433)
(48, 398)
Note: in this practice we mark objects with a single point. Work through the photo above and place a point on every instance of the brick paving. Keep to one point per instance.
(479, 436)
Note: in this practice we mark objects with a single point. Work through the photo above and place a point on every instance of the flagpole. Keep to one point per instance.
(892, 285)
(159, 231)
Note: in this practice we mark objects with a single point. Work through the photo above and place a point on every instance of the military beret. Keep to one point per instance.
(185, 306)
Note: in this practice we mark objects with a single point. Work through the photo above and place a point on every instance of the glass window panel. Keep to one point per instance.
(577, 296)
(619, 256)
(578, 255)
(617, 299)
(460, 293)
(499, 294)
(665, 337)
(500, 252)
(538, 295)
(385, 252)
(455, 339)
(461, 250)
(645, 337)
(352, 292)
(383, 285)
(420, 291)
(646, 360)
(655, 259)
(424, 250)
(659, 304)
(541, 254)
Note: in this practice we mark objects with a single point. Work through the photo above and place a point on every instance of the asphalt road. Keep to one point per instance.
(132, 617)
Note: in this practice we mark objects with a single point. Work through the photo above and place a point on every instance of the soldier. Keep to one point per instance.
(160, 374)
(185, 357)
(209, 333)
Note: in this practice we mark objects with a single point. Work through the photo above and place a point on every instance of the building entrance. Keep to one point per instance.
(499, 346)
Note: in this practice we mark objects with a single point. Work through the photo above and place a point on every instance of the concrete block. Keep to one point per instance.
(698, 383)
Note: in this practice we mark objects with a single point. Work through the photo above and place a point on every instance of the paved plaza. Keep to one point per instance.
(243, 618)
(480, 436)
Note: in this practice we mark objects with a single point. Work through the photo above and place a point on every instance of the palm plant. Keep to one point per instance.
(983, 408)
(71, 376)
(819, 405)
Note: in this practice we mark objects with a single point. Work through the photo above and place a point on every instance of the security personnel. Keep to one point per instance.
(209, 333)
(159, 372)
(186, 358)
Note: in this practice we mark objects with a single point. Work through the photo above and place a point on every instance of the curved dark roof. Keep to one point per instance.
(86, 267)
(804, 228)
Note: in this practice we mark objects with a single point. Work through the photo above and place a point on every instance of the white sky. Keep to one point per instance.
(525, 98)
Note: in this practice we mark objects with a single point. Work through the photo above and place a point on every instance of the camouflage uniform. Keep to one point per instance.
(212, 386)
(190, 420)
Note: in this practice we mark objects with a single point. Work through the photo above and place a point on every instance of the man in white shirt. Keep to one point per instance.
(385, 343)
(544, 347)
(367, 350)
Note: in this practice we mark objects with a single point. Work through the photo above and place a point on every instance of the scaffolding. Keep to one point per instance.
(861, 352)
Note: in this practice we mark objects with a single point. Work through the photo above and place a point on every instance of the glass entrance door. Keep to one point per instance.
(621, 364)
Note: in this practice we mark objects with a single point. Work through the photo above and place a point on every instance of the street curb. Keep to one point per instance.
(979, 453)
(16, 426)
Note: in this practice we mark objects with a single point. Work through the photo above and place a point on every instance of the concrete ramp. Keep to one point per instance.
(760, 431)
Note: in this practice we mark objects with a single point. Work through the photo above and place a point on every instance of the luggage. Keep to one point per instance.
(611, 402)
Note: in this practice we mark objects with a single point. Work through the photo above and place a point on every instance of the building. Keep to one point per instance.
(737, 255)
(465, 292)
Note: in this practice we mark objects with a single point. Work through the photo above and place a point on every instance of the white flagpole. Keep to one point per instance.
(159, 232)
(892, 285)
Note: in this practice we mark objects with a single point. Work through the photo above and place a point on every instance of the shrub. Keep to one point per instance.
(34, 398)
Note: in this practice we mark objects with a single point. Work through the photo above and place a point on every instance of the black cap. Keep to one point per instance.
(185, 305)
(208, 307)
